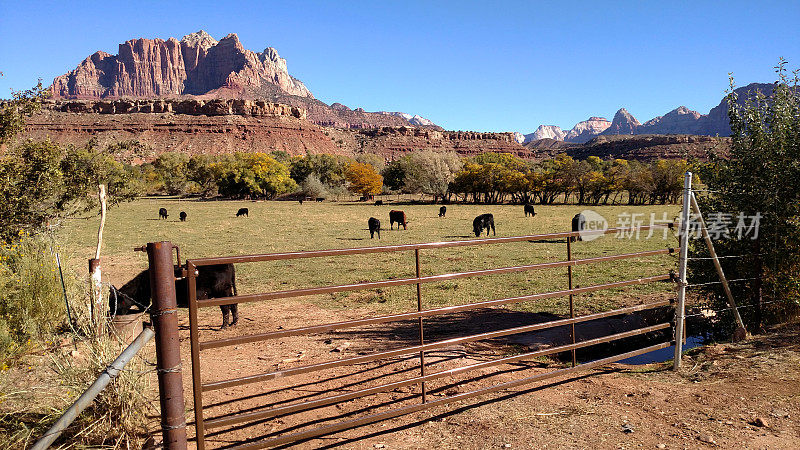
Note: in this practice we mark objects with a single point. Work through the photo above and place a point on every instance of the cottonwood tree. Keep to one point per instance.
(364, 179)
(759, 178)
(430, 172)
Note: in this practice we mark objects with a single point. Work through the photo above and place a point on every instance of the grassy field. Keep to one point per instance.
(213, 230)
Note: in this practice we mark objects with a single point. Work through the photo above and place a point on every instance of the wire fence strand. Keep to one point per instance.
(720, 282)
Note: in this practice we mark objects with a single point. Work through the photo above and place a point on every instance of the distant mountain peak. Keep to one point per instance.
(623, 123)
(583, 131)
(199, 39)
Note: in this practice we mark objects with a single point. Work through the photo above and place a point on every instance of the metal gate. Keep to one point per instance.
(417, 351)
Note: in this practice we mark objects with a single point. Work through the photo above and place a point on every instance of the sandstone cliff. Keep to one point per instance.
(198, 66)
(224, 126)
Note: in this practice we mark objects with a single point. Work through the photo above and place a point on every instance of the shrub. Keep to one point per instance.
(31, 296)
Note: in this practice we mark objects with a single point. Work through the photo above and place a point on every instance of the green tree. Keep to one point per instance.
(430, 172)
(13, 113)
(759, 178)
(394, 175)
(42, 183)
(173, 169)
(253, 175)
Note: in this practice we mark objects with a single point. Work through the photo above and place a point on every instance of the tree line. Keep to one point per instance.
(485, 178)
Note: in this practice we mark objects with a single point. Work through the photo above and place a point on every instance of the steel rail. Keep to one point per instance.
(414, 280)
(212, 386)
(406, 247)
(226, 342)
(353, 423)
(288, 409)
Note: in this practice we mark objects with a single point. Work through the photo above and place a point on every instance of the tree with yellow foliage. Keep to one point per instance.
(363, 179)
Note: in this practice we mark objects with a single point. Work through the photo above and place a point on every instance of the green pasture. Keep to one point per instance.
(279, 226)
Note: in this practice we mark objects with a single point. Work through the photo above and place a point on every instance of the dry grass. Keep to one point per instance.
(213, 230)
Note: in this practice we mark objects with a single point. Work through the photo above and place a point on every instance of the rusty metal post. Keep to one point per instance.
(168, 353)
(571, 304)
(421, 332)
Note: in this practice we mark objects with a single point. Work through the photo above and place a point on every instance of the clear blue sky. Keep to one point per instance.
(508, 66)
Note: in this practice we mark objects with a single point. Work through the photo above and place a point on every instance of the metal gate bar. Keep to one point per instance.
(311, 404)
(396, 352)
(226, 342)
(328, 429)
(205, 303)
(418, 280)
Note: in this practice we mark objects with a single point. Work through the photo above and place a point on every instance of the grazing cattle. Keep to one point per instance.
(162, 213)
(442, 211)
(320, 199)
(378, 202)
(578, 224)
(528, 208)
(483, 221)
(301, 201)
(243, 212)
(399, 217)
(183, 216)
(213, 281)
(374, 227)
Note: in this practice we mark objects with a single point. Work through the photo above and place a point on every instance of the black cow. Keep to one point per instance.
(183, 216)
(399, 217)
(483, 221)
(374, 227)
(320, 199)
(213, 281)
(162, 213)
(578, 224)
(301, 201)
(243, 212)
(442, 211)
(528, 208)
(378, 202)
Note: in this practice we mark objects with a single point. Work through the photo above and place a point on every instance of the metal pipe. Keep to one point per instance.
(94, 390)
(406, 247)
(168, 352)
(680, 306)
(421, 331)
(403, 351)
(194, 336)
(328, 429)
(571, 300)
(428, 279)
(247, 339)
(288, 409)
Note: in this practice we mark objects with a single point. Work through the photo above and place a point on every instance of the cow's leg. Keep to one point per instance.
(225, 313)
(235, 313)
(494, 233)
